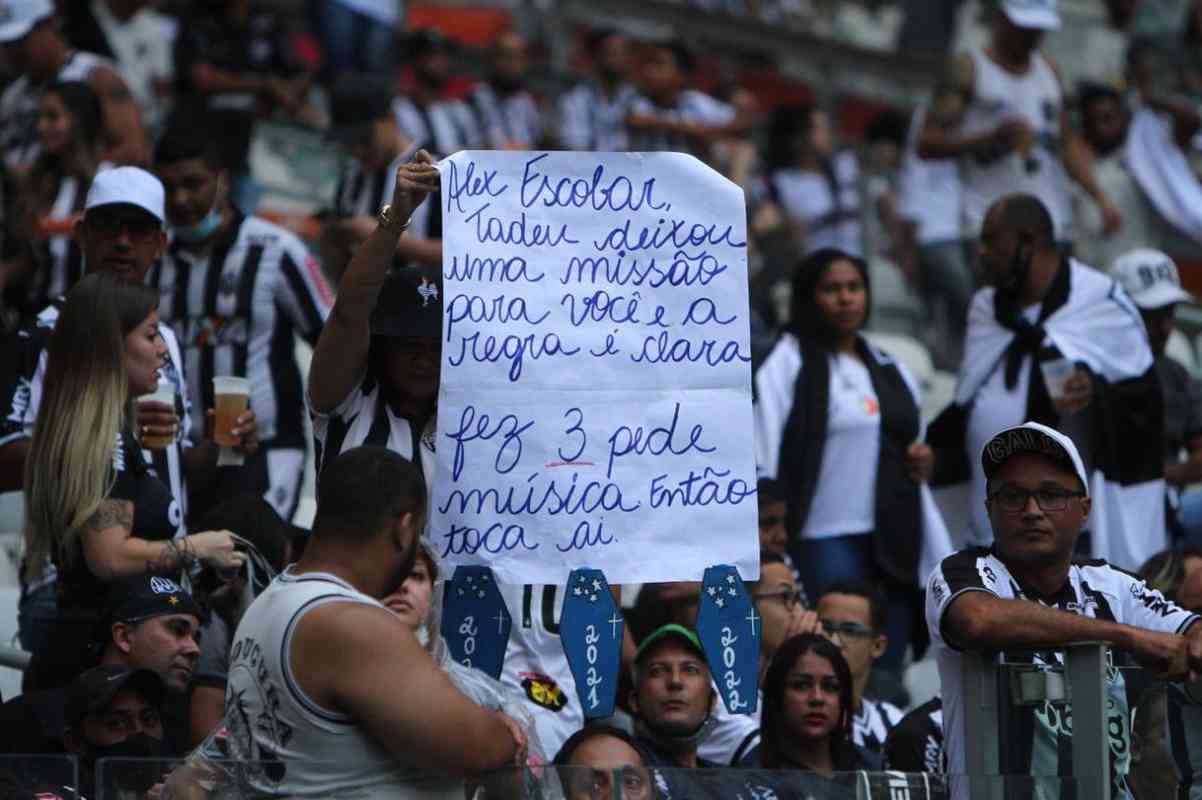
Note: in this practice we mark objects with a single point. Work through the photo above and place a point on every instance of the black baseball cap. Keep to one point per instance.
(94, 689)
(146, 596)
(410, 304)
(1034, 439)
(357, 101)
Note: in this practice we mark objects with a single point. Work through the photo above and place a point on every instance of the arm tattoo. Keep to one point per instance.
(110, 514)
(175, 557)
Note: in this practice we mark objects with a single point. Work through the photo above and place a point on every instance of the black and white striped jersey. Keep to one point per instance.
(19, 108)
(1040, 742)
(507, 121)
(365, 418)
(25, 373)
(236, 309)
(871, 725)
(363, 192)
(447, 126)
(690, 106)
(58, 259)
(591, 119)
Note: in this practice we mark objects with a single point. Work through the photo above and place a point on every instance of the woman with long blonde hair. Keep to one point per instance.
(94, 508)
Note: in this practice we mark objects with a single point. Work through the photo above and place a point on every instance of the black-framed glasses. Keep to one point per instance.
(788, 597)
(140, 227)
(846, 630)
(1014, 499)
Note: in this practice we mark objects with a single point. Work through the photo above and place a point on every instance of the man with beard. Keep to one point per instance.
(442, 124)
(592, 116)
(237, 289)
(1056, 342)
(326, 690)
(1105, 123)
(151, 623)
(508, 113)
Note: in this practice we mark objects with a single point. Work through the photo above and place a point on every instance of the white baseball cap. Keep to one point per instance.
(1038, 14)
(127, 185)
(17, 17)
(1031, 437)
(1150, 278)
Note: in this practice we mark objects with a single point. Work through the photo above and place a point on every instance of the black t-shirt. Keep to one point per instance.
(259, 46)
(34, 723)
(156, 517)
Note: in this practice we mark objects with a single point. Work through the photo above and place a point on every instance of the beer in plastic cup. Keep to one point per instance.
(164, 394)
(1056, 373)
(231, 396)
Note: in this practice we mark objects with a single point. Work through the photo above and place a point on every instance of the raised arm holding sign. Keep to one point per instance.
(595, 401)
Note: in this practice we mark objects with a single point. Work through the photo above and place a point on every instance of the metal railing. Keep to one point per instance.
(1081, 685)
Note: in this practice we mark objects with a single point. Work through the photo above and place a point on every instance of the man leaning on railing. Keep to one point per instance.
(1028, 593)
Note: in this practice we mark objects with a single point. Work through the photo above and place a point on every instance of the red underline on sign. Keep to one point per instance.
(568, 464)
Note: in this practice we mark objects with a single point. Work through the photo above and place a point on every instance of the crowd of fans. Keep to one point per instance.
(170, 607)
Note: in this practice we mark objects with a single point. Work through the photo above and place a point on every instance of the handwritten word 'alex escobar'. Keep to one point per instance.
(581, 279)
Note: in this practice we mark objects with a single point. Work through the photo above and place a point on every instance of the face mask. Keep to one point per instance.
(202, 230)
(671, 742)
(1020, 265)
(140, 745)
(133, 776)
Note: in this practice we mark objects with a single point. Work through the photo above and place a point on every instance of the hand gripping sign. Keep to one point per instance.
(475, 622)
(729, 629)
(591, 633)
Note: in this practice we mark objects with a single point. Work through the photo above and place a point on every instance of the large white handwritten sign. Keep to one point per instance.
(595, 407)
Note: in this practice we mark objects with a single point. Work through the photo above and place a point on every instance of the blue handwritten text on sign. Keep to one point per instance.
(595, 396)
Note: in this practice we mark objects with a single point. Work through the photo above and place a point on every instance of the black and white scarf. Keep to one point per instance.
(792, 410)
(1092, 322)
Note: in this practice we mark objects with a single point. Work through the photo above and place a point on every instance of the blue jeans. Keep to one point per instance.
(822, 562)
(354, 42)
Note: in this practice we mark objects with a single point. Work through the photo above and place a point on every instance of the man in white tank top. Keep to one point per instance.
(329, 693)
(1000, 111)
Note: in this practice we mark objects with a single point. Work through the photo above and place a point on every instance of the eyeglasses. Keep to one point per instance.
(846, 630)
(139, 228)
(789, 598)
(1014, 499)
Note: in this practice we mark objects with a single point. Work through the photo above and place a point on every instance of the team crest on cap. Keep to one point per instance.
(427, 291)
(161, 585)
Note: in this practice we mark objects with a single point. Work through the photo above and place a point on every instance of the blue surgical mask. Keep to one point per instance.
(200, 231)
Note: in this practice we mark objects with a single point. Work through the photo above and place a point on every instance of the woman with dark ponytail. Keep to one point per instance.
(838, 425)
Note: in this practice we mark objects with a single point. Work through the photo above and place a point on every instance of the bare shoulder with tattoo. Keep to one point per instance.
(110, 514)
